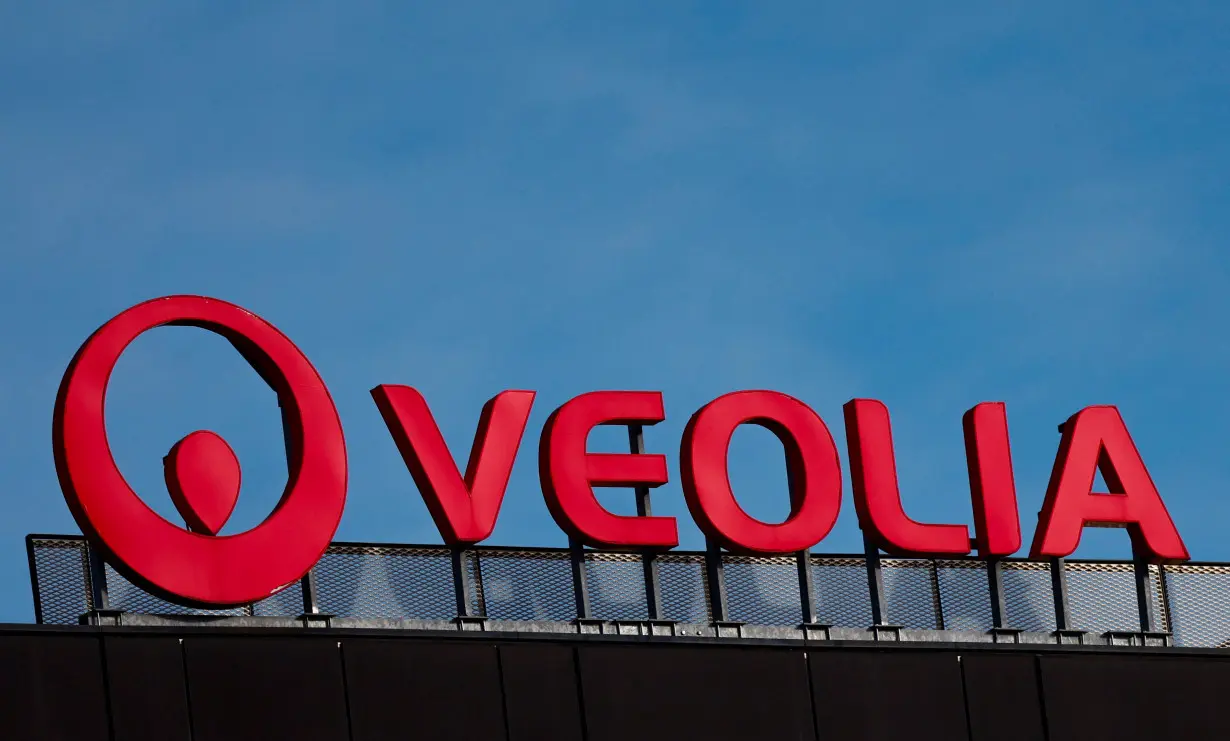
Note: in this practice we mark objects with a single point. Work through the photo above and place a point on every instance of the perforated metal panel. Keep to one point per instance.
(1103, 596)
(527, 585)
(842, 596)
(763, 591)
(289, 601)
(1029, 602)
(616, 584)
(61, 577)
(685, 593)
(1199, 599)
(912, 594)
(386, 582)
(965, 595)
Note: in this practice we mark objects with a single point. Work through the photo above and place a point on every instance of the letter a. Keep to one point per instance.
(1096, 438)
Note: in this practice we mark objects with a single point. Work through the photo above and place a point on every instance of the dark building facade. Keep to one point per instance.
(319, 684)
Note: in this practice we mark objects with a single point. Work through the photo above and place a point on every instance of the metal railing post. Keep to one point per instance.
(462, 583)
(1144, 595)
(937, 598)
(307, 590)
(807, 587)
(100, 599)
(995, 586)
(1059, 593)
(875, 581)
(580, 584)
(649, 559)
(715, 576)
(1164, 594)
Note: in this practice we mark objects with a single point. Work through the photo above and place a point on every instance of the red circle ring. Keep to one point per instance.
(166, 559)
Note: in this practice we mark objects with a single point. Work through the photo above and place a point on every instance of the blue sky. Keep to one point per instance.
(929, 204)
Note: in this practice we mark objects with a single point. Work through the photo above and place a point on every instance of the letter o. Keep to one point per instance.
(812, 466)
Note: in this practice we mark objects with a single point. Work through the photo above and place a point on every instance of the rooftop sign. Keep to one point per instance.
(196, 566)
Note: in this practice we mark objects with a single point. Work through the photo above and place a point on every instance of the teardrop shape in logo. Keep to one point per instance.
(203, 477)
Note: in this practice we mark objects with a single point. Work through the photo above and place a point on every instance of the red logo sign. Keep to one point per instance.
(195, 565)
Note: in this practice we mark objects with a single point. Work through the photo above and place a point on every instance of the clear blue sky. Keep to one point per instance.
(930, 204)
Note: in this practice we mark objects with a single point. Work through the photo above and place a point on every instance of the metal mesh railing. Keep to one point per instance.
(685, 591)
(911, 594)
(1103, 596)
(1197, 598)
(963, 595)
(1028, 596)
(841, 593)
(763, 590)
(405, 582)
(616, 583)
(527, 585)
(386, 582)
(60, 576)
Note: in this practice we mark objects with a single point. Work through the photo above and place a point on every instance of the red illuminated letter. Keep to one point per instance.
(1096, 438)
(997, 525)
(464, 509)
(569, 472)
(812, 467)
(869, 439)
(198, 567)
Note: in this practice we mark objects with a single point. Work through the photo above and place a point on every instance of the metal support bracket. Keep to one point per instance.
(1141, 638)
(100, 598)
(999, 602)
(644, 627)
(462, 558)
(1005, 635)
(807, 587)
(875, 582)
(662, 627)
(649, 559)
(316, 620)
(468, 623)
(1069, 637)
(580, 581)
(715, 578)
(1144, 595)
(307, 588)
(886, 632)
(1059, 593)
(102, 617)
(728, 628)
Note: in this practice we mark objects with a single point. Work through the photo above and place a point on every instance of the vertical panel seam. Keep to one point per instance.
(499, 666)
(183, 657)
(811, 696)
(106, 681)
(341, 655)
(576, 669)
(969, 723)
(1046, 721)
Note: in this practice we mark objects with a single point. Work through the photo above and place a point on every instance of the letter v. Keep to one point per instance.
(464, 509)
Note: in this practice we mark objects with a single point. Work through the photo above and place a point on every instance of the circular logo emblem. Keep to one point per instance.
(195, 566)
